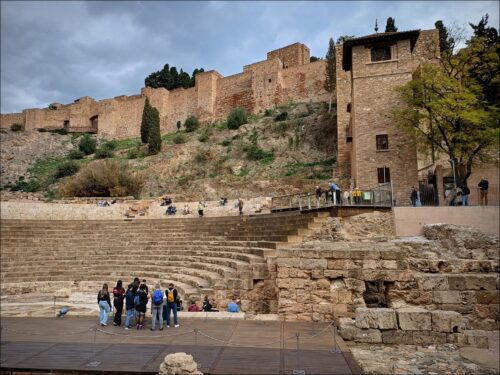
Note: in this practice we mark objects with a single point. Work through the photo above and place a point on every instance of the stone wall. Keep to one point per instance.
(261, 85)
(454, 270)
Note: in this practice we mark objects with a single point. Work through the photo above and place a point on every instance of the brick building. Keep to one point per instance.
(372, 150)
(285, 76)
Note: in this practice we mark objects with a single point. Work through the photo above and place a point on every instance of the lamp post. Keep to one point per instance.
(452, 162)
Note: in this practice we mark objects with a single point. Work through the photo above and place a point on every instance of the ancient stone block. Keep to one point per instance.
(447, 321)
(342, 264)
(481, 282)
(432, 282)
(487, 297)
(350, 332)
(288, 262)
(487, 311)
(446, 296)
(380, 318)
(355, 284)
(313, 264)
(428, 337)
(457, 282)
(414, 319)
(396, 336)
(389, 264)
(476, 338)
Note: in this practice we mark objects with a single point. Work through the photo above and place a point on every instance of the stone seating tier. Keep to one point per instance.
(221, 257)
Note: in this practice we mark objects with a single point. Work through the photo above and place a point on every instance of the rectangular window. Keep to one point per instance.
(382, 142)
(381, 53)
(66, 124)
(348, 107)
(270, 80)
(384, 175)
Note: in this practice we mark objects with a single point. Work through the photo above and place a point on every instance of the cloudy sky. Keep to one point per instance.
(59, 51)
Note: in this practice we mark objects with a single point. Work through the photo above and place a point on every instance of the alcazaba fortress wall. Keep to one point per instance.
(285, 76)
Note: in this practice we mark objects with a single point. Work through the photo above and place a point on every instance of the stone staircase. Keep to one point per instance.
(223, 257)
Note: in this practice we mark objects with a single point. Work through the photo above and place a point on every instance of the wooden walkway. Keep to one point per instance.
(79, 345)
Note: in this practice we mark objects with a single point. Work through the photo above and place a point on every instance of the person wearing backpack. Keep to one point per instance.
(129, 305)
(171, 294)
(140, 302)
(157, 307)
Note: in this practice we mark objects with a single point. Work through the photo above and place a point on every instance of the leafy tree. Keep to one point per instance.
(445, 41)
(390, 26)
(154, 141)
(170, 78)
(146, 121)
(236, 118)
(331, 80)
(191, 123)
(443, 113)
(87, 144)
(313, 59)
(341, 39)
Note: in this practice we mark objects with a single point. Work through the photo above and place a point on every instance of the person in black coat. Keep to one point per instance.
(142, 298)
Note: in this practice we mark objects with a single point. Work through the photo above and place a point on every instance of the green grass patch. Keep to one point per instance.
(267, 160)
(243, 173)
(125, 144)
(322, 169)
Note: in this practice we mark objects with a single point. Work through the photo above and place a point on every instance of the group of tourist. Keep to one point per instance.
(457, 196)
(136, 298)
(334, 194)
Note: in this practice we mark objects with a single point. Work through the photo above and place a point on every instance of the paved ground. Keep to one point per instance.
(219, 346)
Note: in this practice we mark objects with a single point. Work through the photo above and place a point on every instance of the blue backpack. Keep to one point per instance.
(158, 297)
(137, 300)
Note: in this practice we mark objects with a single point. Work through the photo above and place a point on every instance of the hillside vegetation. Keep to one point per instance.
(280, 151)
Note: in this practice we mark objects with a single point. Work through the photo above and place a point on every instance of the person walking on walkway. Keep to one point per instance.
(319, 192)
(356, 194)
(157, 307)
(201, 207)
(104, 304)
(483, 191)
(240, 206)
(171, 294)
(119, 295)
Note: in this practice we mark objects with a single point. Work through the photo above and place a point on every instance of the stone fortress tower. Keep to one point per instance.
(372, 150)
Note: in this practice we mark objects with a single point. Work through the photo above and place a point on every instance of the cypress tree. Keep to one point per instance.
(331, 71)
(146, 120)
(390, 26)
(154, 141)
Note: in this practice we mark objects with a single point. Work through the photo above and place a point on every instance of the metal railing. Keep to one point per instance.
(380, 196)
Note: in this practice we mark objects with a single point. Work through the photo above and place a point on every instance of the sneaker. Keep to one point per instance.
(168, 326)
(176, 326)
(152, 329)
(104, 324)
(115, 324)
(127, 328)
(161, 329)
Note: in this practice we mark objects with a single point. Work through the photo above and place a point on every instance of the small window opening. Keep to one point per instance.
(349, 107)
(270, 80)
(382, 141)
(94, 122)
(384, 175)
(66, 124)
(381, 53)
(376, 293)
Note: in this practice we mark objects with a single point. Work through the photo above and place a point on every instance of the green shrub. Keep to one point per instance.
(42, 130)
(110, 145)
(205, 135)
(179, 139)
(87, 144)
(267, 160)
(103, 153)
(236, 118)
(226, 142)
(16, 127)
(104, 178)
(191, 123)
(76, 154)
(27, 186)
(281, 127)
(67, 168)
(254, 152)
(154, 140)
(269, 112)
(133, 153)
(61, 131)
(201, 156)
(282, 116)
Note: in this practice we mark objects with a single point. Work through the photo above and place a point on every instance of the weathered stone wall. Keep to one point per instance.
(12, 118)
(261, 85)
(455, 270)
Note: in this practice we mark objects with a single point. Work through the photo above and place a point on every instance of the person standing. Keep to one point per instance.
(483, 191)
(356, 194)
(119, 295)
(319, 192)
(418, 202)
(465, 195)
(171, 294)
(201, 207)
(140, 303)
(240, 206)
(104, 304)
(413, 196)
(129, 305)
(157, 307)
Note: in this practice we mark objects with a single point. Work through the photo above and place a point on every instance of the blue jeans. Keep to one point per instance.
(465, 200)
(157, 315)
(171, 306)
(130, 316)
(104, 311)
